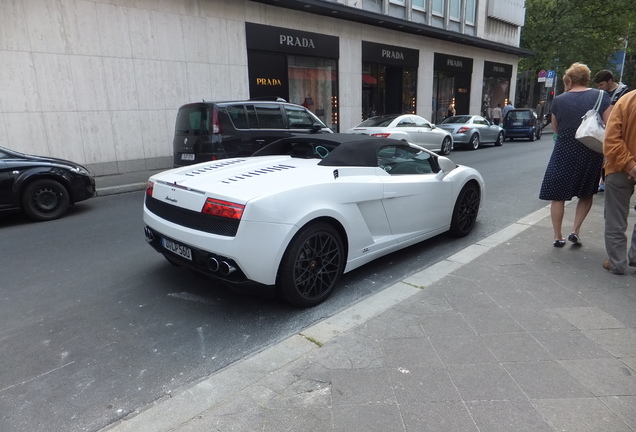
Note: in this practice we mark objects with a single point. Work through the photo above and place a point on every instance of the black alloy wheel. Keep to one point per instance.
(447, 146)
(500, 139)
(311, 265)
(473, 144)
(465, 211)
(45, 200)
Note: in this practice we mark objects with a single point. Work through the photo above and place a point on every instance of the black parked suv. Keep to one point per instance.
(207, 131)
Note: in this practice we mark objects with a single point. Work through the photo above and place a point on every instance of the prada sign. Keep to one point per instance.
(388, 54)
(492, 69)
(455, 64)
(282, 40)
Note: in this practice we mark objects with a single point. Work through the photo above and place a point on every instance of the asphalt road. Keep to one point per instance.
(94, 324)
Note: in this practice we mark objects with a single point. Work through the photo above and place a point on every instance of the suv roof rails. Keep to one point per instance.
(269, 98)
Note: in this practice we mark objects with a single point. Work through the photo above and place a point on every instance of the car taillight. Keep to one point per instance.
(532, 122)
(381, 135)
(223, 209)
(150, 187)
(462, 129)
(216, 126)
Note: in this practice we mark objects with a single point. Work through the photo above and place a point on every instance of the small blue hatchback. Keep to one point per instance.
(522, 123)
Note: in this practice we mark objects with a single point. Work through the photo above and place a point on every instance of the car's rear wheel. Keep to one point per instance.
(45, 200)
(500, 139)
(311, 265)
(447, 146)
(473, 144)
(532, 136)
(539, 132)
(465, 211)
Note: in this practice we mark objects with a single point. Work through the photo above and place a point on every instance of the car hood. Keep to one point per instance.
(25, 160)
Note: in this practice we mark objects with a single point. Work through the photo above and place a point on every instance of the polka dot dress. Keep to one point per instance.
(573, 169)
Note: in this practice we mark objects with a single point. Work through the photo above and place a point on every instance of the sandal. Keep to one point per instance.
(559, 243)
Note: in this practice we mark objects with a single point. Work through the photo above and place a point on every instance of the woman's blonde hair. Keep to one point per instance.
(578, 74)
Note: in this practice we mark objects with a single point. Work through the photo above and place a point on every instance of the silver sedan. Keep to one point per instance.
(407, 127)
(472, 130)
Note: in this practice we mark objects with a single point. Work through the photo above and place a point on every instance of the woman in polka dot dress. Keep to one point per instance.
(573, 169)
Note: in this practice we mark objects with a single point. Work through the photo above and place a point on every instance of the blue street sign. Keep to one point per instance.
(550, 74)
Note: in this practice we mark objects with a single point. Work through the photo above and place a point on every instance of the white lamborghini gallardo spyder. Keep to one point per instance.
(303, 210)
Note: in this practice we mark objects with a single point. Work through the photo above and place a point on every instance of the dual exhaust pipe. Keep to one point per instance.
(223, 267)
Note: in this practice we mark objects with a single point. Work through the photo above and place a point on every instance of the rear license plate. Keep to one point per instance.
(187, 156)
(179, 249)
(513, 123)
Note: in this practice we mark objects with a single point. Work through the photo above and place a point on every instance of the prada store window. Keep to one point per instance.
(388, 89)
(313, 84)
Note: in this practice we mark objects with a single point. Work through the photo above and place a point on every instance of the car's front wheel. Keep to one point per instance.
(473, 144)
(311, 265)
(465, 211)
(447, 146)
(45, 200)
(500, 139)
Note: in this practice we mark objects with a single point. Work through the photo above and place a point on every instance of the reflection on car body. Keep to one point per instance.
(293, 217)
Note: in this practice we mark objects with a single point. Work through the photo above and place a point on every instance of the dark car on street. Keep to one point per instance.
(522, 123)
(207, 131)
(41, 187)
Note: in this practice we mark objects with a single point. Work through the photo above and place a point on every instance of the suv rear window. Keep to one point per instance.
(520, 115)
(194, 120)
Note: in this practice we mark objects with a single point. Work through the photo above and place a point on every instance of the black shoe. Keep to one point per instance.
(575, 239)
(559, 243)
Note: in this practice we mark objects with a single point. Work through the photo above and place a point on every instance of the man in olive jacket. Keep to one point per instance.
(619, 149)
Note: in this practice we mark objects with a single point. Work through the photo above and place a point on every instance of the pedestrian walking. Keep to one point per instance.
(619, 149)
(573, 169)
(496, 114)
(507, 108)
(604, 80)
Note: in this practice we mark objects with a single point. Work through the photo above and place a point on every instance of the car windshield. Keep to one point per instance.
(379, 121)
(456, 119)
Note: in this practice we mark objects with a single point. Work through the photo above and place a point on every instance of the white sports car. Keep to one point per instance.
(303, 210)
(407, 127)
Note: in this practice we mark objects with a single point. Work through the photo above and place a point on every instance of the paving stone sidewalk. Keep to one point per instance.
(509, 335)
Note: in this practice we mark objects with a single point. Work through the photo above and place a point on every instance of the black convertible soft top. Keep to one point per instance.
(334, 149)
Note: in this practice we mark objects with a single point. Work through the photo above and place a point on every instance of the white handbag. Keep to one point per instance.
(591, 132)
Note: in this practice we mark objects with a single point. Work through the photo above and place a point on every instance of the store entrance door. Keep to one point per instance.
(443, 89)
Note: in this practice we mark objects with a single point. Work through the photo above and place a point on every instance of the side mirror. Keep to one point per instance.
(315, 128)
(446, 164)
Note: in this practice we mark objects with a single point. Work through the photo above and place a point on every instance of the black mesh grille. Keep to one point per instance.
(192, 219)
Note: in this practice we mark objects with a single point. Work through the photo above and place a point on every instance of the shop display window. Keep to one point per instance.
(388, 90)
(313, 84)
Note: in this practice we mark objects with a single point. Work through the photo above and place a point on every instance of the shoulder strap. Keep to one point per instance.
(597, 105)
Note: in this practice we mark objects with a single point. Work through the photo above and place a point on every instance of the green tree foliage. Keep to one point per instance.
(562, 32)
